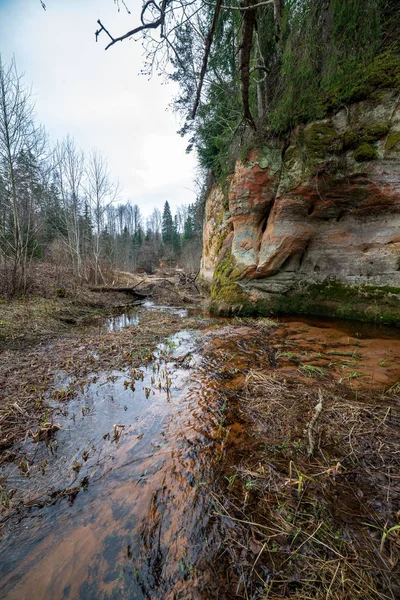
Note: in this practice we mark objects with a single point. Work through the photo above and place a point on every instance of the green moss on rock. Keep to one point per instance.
(271, 158)
(373, 133)
(320, 137)
(352, 138)
(382, 73)
(290, 154)
(221, 237)
(365, 152)
(378, 304)
(227, 296)
(392, 140)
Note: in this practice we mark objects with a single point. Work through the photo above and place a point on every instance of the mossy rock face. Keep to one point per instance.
(227, 296)
(376, 304)
(337, 147)
(271, 158)
(365, 152)
(392, 140)
(290, 154)
(382, 73)
(320, 143)
(220, 238)
(265, 157)
(353, 138)
(229, 299)
(373, 133)
(320, 138)
(244, 154)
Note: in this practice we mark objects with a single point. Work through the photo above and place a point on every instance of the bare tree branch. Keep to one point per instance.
(124, 4)
(143, 27)
(102, 28)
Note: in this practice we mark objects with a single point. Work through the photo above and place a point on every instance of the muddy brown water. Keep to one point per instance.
(136, 452)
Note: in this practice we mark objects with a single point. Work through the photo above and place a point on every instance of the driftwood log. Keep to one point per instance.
(126, 290)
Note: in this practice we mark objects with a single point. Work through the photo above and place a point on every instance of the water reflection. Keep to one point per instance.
(130, 318)
(172, 310)
(119, 322)
(134, 453)
(139, 522)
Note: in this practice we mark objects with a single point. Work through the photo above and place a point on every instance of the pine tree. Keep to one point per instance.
(167, 225)
(188, 228)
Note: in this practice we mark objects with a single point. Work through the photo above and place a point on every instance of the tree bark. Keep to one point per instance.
(249, 20)
(277, 19)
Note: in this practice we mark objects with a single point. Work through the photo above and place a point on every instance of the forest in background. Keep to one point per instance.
(60, 206)
(248, 73)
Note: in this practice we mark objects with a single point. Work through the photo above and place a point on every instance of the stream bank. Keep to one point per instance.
(188, 459)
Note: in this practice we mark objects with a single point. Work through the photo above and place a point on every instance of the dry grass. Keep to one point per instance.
(55, 300)
(26, 376)
(313, 520)
(26, 319)
(264, 324)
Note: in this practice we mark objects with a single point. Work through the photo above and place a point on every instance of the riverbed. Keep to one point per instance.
(133, 492)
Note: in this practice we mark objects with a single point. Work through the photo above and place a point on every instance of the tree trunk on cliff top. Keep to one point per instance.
(249, 20)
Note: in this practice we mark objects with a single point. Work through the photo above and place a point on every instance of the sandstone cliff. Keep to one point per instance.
(313, 227)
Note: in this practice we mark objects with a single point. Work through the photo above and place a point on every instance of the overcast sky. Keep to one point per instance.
(98, 96)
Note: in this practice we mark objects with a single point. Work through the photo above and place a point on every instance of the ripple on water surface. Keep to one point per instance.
(128, 440)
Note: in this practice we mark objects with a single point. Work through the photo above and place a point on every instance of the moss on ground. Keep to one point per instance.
(383, 73)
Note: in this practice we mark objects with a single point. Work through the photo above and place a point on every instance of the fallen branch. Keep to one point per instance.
(125, 290)
(312, 423)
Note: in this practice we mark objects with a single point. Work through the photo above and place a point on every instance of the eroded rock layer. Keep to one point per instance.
(313, 227)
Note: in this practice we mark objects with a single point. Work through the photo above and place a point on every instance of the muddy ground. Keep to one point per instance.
(309, 479)
(57, 301)
(34, 333)
(169, 454)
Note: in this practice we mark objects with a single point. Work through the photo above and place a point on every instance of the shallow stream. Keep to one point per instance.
(134, 454)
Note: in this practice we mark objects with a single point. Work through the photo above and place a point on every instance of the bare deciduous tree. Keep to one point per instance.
(22, 148)
(101, 191)
(70, 171)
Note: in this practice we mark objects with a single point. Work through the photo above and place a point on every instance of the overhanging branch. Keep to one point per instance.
(143, 27)
(153, 25)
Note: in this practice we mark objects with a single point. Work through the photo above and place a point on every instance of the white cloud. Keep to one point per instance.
(98, 96)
